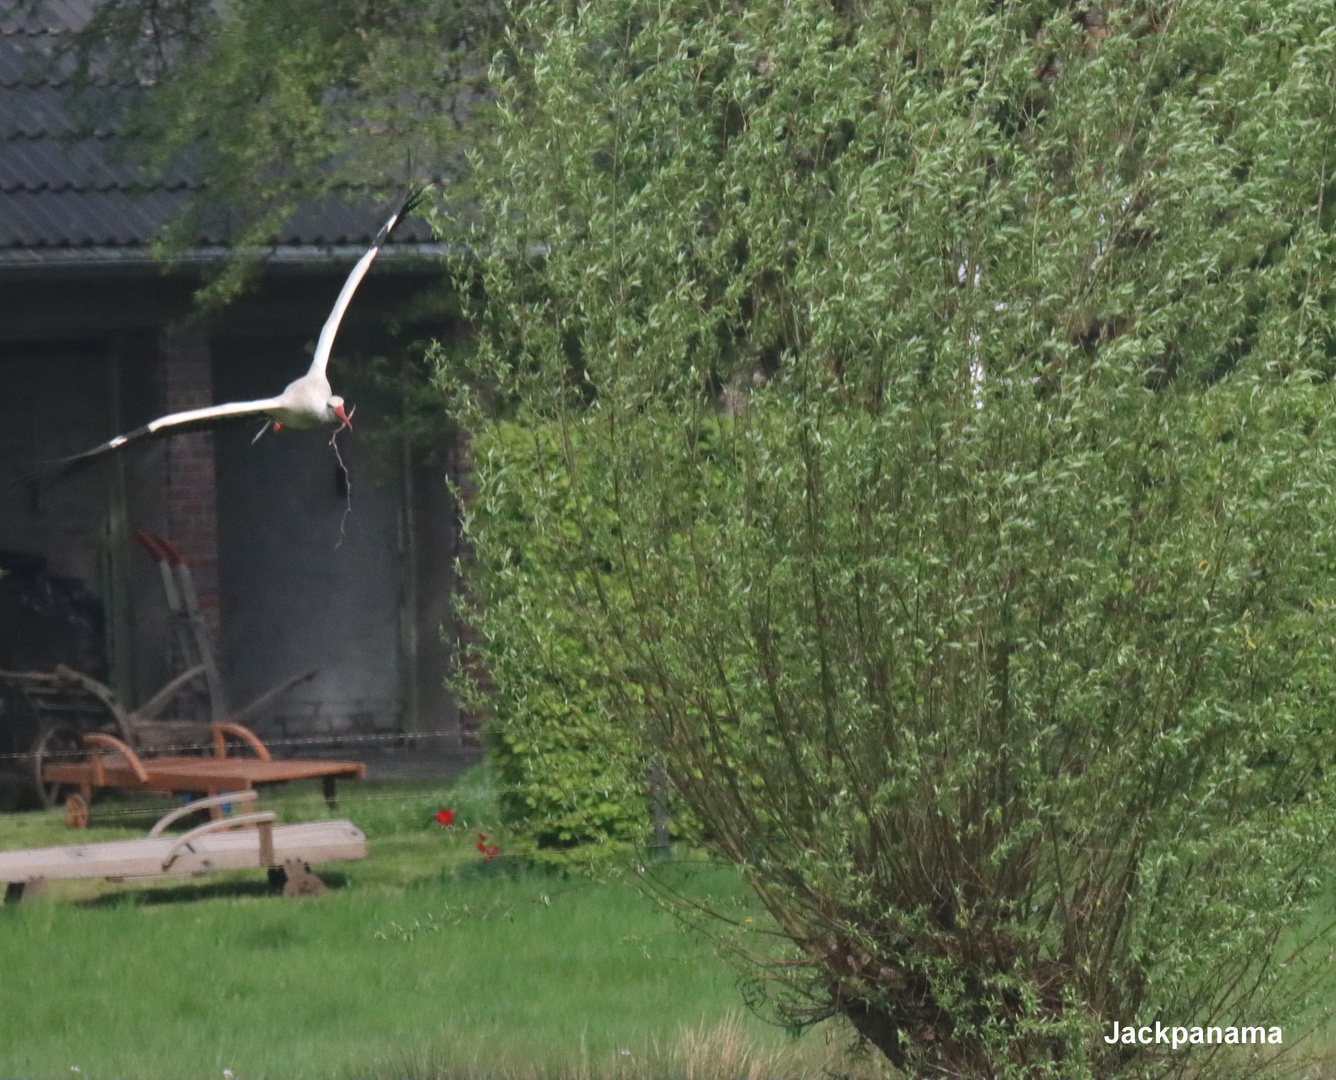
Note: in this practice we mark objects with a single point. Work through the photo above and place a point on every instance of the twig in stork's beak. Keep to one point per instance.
(345, 424)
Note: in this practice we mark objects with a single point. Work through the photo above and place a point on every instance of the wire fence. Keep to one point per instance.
(103, 812)
(332, 741)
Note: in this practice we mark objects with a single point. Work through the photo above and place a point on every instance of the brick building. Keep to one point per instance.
(96, 337)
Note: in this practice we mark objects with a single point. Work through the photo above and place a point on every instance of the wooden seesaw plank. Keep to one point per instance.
(314, 842)
(218, 845)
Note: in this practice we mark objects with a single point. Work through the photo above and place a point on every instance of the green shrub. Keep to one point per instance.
(573, 778)
(935, 461)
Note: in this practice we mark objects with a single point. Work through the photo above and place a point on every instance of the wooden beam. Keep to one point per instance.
(312, 842)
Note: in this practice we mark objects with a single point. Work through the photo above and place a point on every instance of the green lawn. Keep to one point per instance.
(421, 961)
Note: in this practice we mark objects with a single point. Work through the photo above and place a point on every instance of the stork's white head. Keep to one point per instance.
(335, 411)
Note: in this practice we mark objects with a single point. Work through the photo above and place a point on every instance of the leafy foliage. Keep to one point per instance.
(264, 107)
(925, 419)
(573, 778)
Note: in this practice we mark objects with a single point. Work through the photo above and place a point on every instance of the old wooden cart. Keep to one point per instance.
(111, 763)
(70, 736)
(73, 752)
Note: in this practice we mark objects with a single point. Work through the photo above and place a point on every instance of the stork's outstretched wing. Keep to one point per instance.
(214, 415)
(172, 424)
(322, 348)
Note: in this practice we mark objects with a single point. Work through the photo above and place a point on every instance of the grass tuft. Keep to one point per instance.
(729, 1048)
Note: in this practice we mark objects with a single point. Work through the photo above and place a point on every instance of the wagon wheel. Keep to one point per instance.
(58, 742)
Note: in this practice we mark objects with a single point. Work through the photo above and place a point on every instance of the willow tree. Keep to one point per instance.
(921, 417)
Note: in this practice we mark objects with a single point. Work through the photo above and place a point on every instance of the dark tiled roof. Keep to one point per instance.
(55, 17)
(68, 190)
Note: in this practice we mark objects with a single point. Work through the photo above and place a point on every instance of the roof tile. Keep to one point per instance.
(63, 187)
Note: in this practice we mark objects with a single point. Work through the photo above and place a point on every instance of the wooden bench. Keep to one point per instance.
(229, 843)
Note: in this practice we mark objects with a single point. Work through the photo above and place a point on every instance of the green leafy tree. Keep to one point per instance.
(925, 423)
(260, 108)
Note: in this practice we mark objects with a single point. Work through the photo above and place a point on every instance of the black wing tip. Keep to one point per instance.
(32, 485)
(408, 202)
(37, 483)
(53, 472)
(413, 197)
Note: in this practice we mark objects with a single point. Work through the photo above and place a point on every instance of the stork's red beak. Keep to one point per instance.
(342, 416)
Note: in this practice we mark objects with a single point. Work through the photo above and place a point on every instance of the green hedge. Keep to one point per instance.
(574, 780)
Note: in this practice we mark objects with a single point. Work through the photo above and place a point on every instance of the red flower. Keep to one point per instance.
(482, 847)
(491, 851)
(445, 817)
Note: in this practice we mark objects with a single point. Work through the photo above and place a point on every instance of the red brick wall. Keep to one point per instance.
(192, 513)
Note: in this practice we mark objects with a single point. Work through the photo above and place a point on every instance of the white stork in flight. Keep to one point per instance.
(305, 402)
